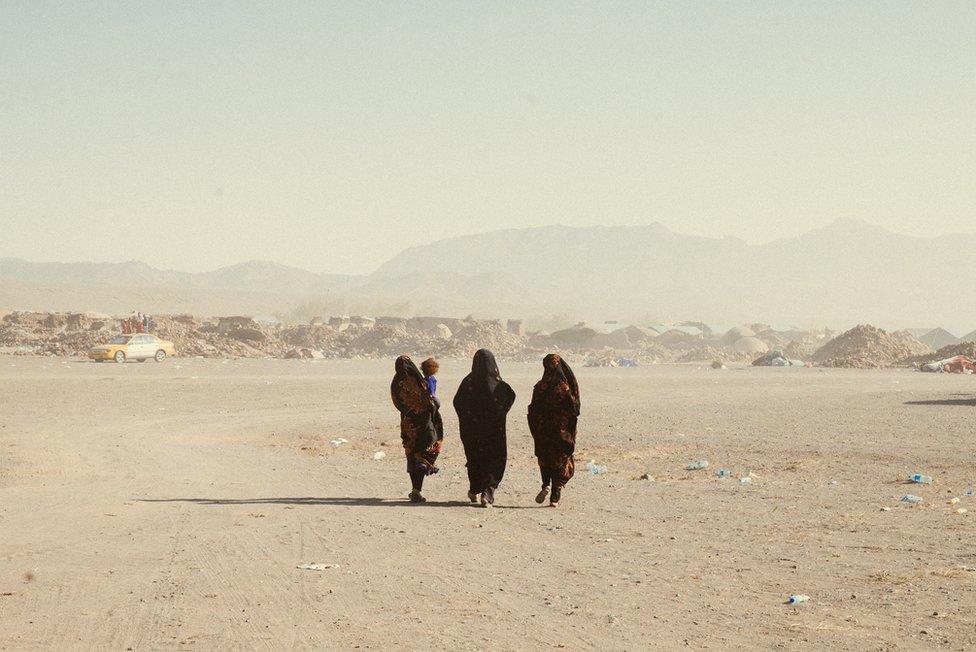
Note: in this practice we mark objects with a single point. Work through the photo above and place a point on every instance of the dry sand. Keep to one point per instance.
(147, 506)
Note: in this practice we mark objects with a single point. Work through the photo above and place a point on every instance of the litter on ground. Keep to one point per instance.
(316, 566)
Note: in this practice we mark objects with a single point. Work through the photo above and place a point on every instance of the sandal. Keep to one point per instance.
(541, 496)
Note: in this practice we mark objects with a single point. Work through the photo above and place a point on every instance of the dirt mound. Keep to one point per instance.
(868, 347)
(799, 349)
(705, 353)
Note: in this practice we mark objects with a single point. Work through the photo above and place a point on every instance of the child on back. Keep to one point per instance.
(430, 367)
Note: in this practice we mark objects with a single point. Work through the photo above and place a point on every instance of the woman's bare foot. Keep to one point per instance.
(415, 497)
(553, 504)
(541, 496)
(472, 496)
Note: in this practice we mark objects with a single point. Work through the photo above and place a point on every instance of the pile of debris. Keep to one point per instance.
(611, 361)
(869, 347)
(73, 334)
(708, 353)
(967, 349)
(960, 364)
(801, 349)
(777, 358)
(243, 337)
(54, 333)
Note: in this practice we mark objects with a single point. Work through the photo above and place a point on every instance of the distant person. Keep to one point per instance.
(430, 367)
(126, 326)
(482, 403)
(421, 428)
(146, 320)
(553, 414)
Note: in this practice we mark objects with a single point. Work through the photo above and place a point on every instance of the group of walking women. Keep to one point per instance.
(482, 403)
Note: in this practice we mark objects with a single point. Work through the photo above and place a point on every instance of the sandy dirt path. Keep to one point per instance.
(147, 506)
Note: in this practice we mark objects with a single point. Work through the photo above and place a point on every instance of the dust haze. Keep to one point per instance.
(746, 232)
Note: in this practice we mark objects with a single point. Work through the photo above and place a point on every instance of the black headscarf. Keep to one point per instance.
(483, 394)
(484, 369)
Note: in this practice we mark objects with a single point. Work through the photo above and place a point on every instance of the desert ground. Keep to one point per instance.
(167, 506)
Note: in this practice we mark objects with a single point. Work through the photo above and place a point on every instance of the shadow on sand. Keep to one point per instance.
(968, 402)
(312, 501)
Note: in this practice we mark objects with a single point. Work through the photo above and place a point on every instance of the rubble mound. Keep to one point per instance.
(705, 353)
(868, 347)
(652, 352)
(749, 346)
(799, 349)
(73, 334)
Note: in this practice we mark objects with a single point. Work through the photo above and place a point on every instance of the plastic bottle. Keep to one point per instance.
(918, 478)
(695, 466)
(909, 498)
(595, 468)
(797, 598)
(724, 473)
(745, 480)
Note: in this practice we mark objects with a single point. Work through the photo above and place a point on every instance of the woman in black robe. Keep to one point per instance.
(482, 403)
(553, 414)
(421, 428)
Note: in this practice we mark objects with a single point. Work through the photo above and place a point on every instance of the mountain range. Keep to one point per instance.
(845, 273)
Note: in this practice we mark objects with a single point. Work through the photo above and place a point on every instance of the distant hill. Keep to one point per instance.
(130, 274)
(845, 273)
(255, 287)
(253, 276)
(261, 276)
(937, 338)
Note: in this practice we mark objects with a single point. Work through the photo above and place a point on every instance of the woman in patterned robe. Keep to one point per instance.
(482, 403)
(421, 428)
(553, 414)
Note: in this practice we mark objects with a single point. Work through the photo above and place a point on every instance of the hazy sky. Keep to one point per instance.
(331, 135)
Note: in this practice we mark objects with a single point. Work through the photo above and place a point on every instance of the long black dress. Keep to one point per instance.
(482, 403)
